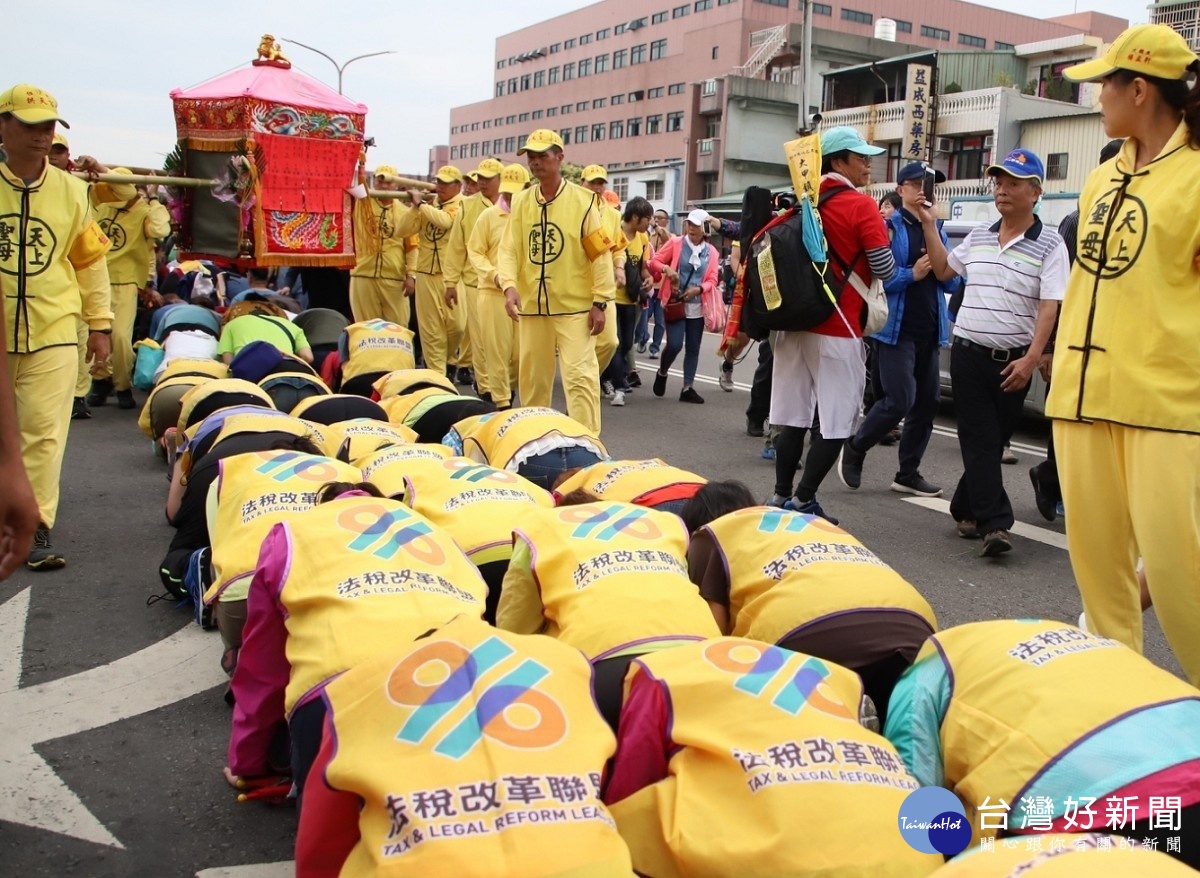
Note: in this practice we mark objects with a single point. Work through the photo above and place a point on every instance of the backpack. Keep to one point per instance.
(255, 361)
(794, 297)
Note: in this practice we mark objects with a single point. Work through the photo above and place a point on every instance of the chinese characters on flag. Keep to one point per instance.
(917, 117)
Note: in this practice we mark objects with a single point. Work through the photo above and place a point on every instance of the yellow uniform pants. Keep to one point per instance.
(83, 378)
(576, 360)
(470, 349)
(43, 384)
(441, 328)
(498, 336)
(1131, 491)
(606, 341)
(377, 298)
(120, 365)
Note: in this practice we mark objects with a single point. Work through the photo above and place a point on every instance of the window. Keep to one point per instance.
(585, 39)
(524, 117)
(569, 44)
(821, 8)
(512, 86)
(498, 121)
(676, 89)
(566, 108)
(1004, 46)
(598, 103)
(654, 190)
(712, 127)
(499, 89)
(616, 130)
(968, 40)
(521, 141)
(774, 2)
(653, 124)
(474, 150)
(500, 64)
(601, 63)
(654, 93)
(555, 48)
(658, 17)
(658, 49)
(715, 52)
(539, 79)
(526, 82)
(680, 11)
(585, 68)
(935, 33)
(598, 131)
(636, 96)
(1056, 166)
(620, 58)
(602, 34)
(620, 185)
(581, 134)
(474, 126)
(508, 120)
(637, 55)
(537, 114)
(856, 16)
(708, 186)
(453, 152)
(553, 75)
(725, 2)
(903, 27)
(617, 99)
(487, 123)
(568, 71)
(701, 5)
(581, 106)
(510, 144)
(566, 136)
(620, 28)
(675, 121)
(633, 127)
(551, 111)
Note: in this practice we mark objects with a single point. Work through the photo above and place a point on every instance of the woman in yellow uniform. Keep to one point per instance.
(654, 484)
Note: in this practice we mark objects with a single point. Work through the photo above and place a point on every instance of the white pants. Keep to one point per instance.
(817, 373)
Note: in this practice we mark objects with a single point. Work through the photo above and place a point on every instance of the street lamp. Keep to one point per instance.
(340, 67)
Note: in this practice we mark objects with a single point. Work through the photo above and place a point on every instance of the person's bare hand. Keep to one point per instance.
(451, 297)
(415, 196)
(512, 304)
(99, 347)
(410, 286)
(922, 267)
(18, 516)
(691, 293)
(1017, 374)
(596, 321)
(1046, 366)
(926, 215)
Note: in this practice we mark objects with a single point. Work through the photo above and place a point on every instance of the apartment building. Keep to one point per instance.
(1182, 15)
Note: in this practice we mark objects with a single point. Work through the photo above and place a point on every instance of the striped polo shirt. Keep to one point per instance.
(1004, 285)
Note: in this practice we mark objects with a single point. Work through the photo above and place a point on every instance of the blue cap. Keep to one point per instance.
(845, 138)
(1022, 164)
(916, 171)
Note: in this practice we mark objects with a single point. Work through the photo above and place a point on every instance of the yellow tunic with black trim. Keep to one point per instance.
(771, 775)
(432, 225)
(380, 249)
(456, 266)
(132, 227)
(52, 268)
(788, 571)
(254, 492)
(514, 783)
(377, 346)
(556, 253)
(1126, 348)
(498, 438)
(363, 575)
(628, 481)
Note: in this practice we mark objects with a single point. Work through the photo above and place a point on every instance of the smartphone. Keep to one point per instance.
(927, 185)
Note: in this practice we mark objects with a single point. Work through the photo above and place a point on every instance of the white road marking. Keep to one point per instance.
(1021, 529)
(31, 794)
(258, 870)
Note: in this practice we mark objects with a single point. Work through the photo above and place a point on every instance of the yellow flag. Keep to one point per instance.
(804, 164)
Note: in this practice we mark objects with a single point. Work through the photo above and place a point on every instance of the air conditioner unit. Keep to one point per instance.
(989, 142)
(943, 144)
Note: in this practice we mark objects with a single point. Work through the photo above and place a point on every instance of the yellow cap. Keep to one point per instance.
(386, 171)
(489, 168)
(1145, 49)
(471, 175)
(540, 141)
(31, 105)
(595, 172)
(513, 179)
(449, 174)
(125, 172)
(59, 140)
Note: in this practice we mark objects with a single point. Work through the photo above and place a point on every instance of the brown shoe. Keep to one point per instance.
(968, 530)
(997, 542)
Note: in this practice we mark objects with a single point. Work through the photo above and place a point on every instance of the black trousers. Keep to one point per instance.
(986, 415)
(1047, 470)
(760, 389)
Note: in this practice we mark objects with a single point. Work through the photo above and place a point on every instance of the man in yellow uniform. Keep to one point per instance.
(497, 340)
(595, 177)
(52, 272)
(441, 328)
(556, 270)
(382, 257)
(133, 227)
(459, 274)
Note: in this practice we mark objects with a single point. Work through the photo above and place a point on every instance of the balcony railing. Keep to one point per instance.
(712, 96)
(962, 113)
(943, 192)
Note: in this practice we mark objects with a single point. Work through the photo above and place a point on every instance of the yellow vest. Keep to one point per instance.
(243, 424)
(764, 741)
(255, 491)
(202, 391)
(499, 437)
(133, 228)
(476, 504)
(385, 469)
(401, 381)
(627, 481)
(788, 571)
(363, 575)
(377, 346)
(432, 238)
(1126, 350)
(42, 301)
(1004, 674)
(456, 266)
(179, 373)
(612, 576)
(359, 437)
(495, 771)
(378, 244)
(555, 244)
(1065, 855)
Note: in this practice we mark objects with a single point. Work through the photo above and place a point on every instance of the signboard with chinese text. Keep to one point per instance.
(917, 116)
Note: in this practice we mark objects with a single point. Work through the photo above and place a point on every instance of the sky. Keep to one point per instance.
(112, 67)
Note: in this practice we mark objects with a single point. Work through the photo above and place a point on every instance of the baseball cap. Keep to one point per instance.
(698, 217)
(594, 172)
(844, 138)
(31, 105)
(916, 171)
(448, 174)
(1146, 49)
(540, 141)
(513, 178)
(59, 140)
(1020, 163)
(386, 171)
(489, 168)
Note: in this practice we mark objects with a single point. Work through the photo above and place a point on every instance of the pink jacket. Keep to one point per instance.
(669, 255)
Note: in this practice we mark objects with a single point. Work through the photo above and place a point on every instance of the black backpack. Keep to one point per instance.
(803, 300)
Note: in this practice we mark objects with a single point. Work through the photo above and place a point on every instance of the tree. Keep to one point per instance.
(1002, 79)
(952, 88)
(1030, 88)
(572, 171)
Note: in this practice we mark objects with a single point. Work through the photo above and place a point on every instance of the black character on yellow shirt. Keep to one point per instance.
(544, 249)
(1124, 222)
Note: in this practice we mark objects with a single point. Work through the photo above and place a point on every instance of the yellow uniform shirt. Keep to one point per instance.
(456, 266)
(133, 227)
(483, 247)
(379, 248)
(432, 225)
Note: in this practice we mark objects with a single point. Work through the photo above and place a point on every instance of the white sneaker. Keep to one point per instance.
(1083, 622)
(618, 397)
(606, 389)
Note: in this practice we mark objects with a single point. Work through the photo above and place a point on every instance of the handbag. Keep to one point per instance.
(674, 311)
(150, 355)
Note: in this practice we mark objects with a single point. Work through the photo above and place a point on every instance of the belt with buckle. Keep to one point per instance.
(1000, 355)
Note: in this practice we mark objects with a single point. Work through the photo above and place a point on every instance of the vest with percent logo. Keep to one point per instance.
(363, 575)
(1062, 688)
(179, 373)
(256, 491)
(474, 751)
(612, 576)
(764, 741)
(498, 438)
(129, 259)
(376, 346)
(385, 469)
(628, 481)
(359, 437)
(476, 504)
(788, 570)
(203, 390)
(403, 381)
